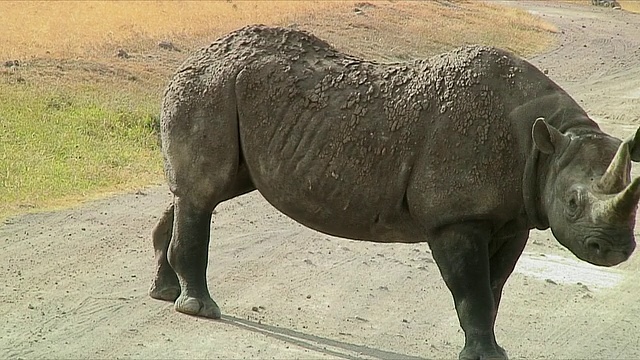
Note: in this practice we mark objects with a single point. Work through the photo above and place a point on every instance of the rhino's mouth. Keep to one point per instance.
(602, 252)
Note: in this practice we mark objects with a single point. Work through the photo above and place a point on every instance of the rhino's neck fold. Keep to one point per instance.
(532, 182)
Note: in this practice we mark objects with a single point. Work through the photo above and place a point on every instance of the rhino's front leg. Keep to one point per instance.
(504, 261)
(188, 256)
(461, 252)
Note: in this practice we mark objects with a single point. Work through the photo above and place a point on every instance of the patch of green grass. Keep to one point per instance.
(60, 143)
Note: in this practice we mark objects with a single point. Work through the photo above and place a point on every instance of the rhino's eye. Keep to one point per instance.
(573, 206)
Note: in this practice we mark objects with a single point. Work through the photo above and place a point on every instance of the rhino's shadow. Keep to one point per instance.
(315, 343)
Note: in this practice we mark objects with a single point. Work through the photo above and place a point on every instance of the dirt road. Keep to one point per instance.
(74, 283)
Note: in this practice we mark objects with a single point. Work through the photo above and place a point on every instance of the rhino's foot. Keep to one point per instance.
(483, 353)
(164, 292)
(198, 306)
(165, 285)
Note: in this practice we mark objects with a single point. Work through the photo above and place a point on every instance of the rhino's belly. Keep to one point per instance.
(341, 214)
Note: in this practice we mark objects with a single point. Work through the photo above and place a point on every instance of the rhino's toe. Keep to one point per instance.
(483, 353)
(166, 293)
(198, 307)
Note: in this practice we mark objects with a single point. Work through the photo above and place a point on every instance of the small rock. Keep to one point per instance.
(11, 63)
(545, 71)
(167, 45)
(308, 296)
(121, 53)
(551, 281)
(255, 308)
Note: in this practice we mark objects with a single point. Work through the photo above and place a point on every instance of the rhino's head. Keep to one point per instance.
(588, 196)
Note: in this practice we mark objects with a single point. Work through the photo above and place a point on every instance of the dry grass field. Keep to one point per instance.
(78, 122)
(66, 29)
(94, 29)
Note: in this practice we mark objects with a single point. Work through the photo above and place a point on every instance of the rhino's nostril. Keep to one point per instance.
(593, 245)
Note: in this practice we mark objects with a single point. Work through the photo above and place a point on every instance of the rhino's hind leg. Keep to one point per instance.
(204, 167)
(165, 285)
(188, 255)
(188, 249)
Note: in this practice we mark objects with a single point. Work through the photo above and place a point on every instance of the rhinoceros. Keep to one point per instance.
(467, 151)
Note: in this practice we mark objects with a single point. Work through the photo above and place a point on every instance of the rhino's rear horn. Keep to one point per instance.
(616, 178)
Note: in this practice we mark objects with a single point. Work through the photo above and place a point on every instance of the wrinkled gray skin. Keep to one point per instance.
(450, 151)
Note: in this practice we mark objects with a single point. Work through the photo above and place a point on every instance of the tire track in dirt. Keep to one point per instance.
(597, 58)
(69, 265)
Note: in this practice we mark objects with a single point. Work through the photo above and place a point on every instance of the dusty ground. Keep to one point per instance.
(75, 282)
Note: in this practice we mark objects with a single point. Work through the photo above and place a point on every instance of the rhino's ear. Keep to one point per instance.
(545, 137)
(634, 146)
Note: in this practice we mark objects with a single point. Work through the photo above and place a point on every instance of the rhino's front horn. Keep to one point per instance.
(616, 178)
(624, 204)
